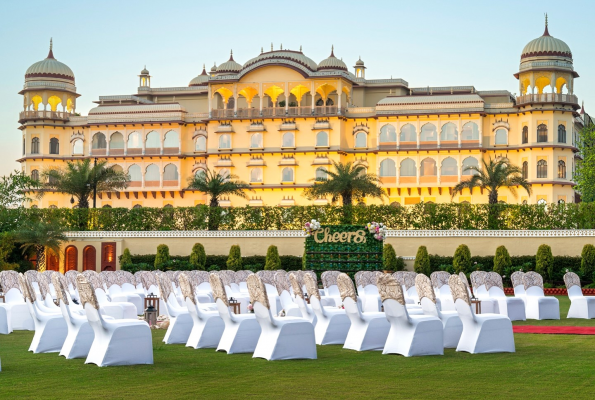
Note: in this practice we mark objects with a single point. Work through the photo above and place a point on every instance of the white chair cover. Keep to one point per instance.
(538, 305)
(512, 307)
(14, 313)
(180, 321)
(581, 306)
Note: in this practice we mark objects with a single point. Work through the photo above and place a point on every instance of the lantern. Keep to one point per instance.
(151, 315)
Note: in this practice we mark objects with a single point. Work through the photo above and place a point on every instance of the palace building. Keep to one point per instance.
(278, 120)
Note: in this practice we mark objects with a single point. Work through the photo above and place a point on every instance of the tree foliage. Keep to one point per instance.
(462, 259)
(502, 260)
(544, 261)
(39, 236)
(162, 256)
(198, 257)
(17, 189)
(390, 260)
(126, 258)
(422, 261)
(234, 260)
(584, 175)
(273, 261)
(588, 260)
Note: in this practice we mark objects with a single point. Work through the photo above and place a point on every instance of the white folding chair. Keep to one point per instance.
(180, 321)
(512, 307)
(581, 306)
(538, 305)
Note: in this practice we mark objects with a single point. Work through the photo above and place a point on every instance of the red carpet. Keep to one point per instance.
(555, 330)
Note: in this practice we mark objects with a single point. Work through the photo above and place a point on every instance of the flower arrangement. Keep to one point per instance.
(311, 226)
(250, 308)
(376, 229)
(282, 313)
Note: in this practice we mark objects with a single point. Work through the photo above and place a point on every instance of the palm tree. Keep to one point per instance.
(80, 178)
(495, 174)
(215, 185)
(350, 181)
(39, 236)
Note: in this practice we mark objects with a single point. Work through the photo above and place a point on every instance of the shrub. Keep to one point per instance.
(304, 262)
(544, 261)
(422, 261)
(253, 267)
(448, 268)
(234, 260)
(198, 257)
(502, 260)
(273, 262)
(588, 260)
(126, 258)
(214, 268)
(162, 256)
(389, 257)
(462, 259)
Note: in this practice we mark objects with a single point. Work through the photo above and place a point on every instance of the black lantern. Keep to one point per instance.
(151, 315)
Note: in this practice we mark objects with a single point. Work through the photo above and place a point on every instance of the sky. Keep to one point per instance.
(427, 43)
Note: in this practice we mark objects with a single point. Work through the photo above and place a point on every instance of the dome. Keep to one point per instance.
(145, 71)
(284, 55)
(546, 45)
(214, 68)
(332, 62)
(49, 68)
(359, 62)
(201, 79)
(230, 66)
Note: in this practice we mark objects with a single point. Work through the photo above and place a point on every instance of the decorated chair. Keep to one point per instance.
(268, 279)
(180, 321)
(488, 304)
(368, 331)
(358, 282)
(482, 333)
(296, 288)
(116, 342)
(128, 284)
(512, 307)
(80, 334)
(117, 294)
(409, 335)
(50, 328)
(538, 305)
(242, 298)
(518, 284)
(197, 280)
(71, 284)
(14, 312)
(44, 301)
(370, 297)
(240, 280)
(283, 288)
(581, 306)
(281, 338)
(331, 289)
(116, 310)
(440, 283)
(208, 326)
(241, 330)
(409, 290)
(451, 323)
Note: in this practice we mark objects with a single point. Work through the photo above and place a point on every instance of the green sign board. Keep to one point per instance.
(347, 248)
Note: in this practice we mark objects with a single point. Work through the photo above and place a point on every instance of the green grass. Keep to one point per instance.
(544, 366)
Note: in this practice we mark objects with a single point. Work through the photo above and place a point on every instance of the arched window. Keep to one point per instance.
(152, 174)
(54, 146)
(170, 175)
(542, 202)
(256, 175)
(77, 147)
(135, 141)
(135, 175)
(408, 133)
(98, 141)
(561, 134)
(287, 174)
(428, 167)
(501, 136)
(321, 174)
(256, 141)
(322, 139)
(116, 141)
(200, 144)
(137, 206)
(542, 133)
(449, 167)
(152, 141)
(428, 133)
(470, 131)
(408, 167)
(388, 168)
(225, 142)
(107, 206)
(199, 172)
(449, 132)
(467, 163)
(561, 169)
(172, 140)
(89, 258)
(35, 175)
(70, 258)
(35, 145)
(388, 134)
(395, 204)
(525, 170)
(288, 140)
(168, 206)
(525, 134)
(361, 140)
(542, 169)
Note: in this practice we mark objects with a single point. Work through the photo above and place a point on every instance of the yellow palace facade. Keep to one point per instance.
(279, 120)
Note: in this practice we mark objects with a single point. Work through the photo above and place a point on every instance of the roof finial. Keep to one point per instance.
(261, 50)
(546, 32)
(271, 46)
(300, 48)
(332, 50)
(51, 53)
(281, 46)
(583, 107)
(231, 56)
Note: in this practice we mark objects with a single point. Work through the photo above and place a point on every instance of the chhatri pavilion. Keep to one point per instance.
(278, 120)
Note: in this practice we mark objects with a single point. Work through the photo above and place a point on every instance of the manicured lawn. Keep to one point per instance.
(544, 366)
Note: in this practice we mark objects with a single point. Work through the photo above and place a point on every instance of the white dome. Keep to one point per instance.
(283, 55)
(546, 45)
(332, 62)
(201, 79)
(229, 66)
(49, 68)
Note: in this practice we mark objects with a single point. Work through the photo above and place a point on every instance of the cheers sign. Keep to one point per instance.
(325, 235)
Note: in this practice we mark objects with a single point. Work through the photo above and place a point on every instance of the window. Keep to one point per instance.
(153, 141)
(54, 146)
(542, 202)
(525, 134)
(134, 173)
(89, 258)
(428, 133)
(501, 136)
(449, 132)
(321, 174)
(168, 206)
(77, 147)
(288, 140)
(408, 167)
(388, 134)
(107, 206)
(361, 140)
(35, 145)
(152, 173)
(98, 141)
(224, 173)
(542, 169)
(256, 175)
(116, 141)
(199, 172)
(137, 206)
(200, 144)
(408, 133)
(170, 173)
(449, 167)
(542, 133)
(428, 167)
(256, 141)
(468, 163)
(388, 168)
(525, 170)
(172, 140)
(561, 169)
(135, 141)
(35, 175)
(470, 131)
(52, 180)
(287, 175)
(322, 139)
(225, 142)
(561, 134)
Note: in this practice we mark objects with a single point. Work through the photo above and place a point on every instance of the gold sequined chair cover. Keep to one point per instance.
(9, 279)
(458, 289)
(439, 278)
(282, 282)
(60, 289)
(346, 288)
(311, 287)
(218, 289)
(409, 279)
(477, 279)
(329, 278)
(296, 285)
(424, 288)
(165, 288)
(517, 279)
(571, 279)
(531, 279)
(186, 288)
(257, 291)
(493, 279)
(389, 289)
(86, 292)
(26, 289)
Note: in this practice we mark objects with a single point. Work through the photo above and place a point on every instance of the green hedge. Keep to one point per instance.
(420, 216)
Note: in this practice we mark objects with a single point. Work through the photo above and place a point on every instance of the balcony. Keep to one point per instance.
(271, 112)
(548, 98)
(36, 115)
